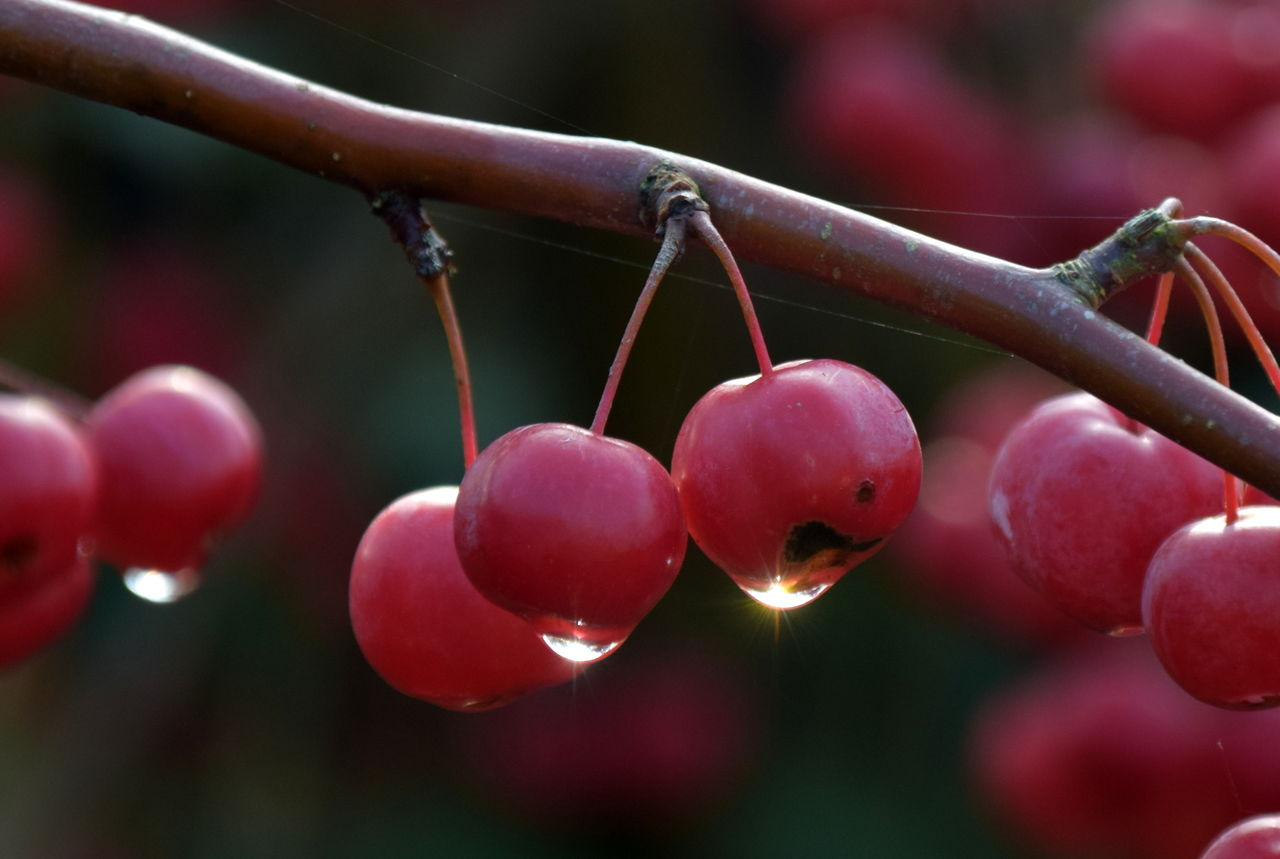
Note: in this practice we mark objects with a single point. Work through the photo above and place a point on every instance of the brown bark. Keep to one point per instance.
(134, 64)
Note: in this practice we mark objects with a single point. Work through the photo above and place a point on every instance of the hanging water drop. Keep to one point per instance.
(779, 595)
(161, 586)
(579, 649)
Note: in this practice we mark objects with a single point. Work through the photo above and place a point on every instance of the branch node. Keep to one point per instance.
(667, 192)
(405, 215)
(1145, 244)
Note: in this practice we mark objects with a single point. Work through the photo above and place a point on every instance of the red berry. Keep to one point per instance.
(579, 533)
(1253, 838)
(1211, 604)
(33, 617)
(47, 485)
(423, 626)
(790, 479)
(180, 461)
(1081, 497)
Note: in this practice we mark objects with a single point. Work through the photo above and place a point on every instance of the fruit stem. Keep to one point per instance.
(23, 381)
(1200, 226)
(1218, 280)
(1160, 308)
(711, 236)
(1189, 276)
(431, 259)
(672, 245)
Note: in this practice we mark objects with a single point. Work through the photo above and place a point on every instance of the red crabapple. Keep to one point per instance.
(47, 486)
(791, 478)
(1211, 603)
(423, 626)
(32, 617)
(180, 460)
(1081, 497)
(950, 555)
(579, 533)
(1252, 838)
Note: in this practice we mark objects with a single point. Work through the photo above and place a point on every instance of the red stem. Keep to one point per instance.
(440, 293)
(1160, 308)
(672, 244)
(1188, 275)
(1222, 286)
(711, 236)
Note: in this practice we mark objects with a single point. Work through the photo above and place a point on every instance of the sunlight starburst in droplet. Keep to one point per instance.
(161, 586)
(778, 596)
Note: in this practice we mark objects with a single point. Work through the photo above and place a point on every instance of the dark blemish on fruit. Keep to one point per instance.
(866, 492)
(816, 538)
(18, 552)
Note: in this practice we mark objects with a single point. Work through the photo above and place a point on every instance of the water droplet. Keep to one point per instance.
(161, 586)
(1125, 630)
(778, 595)
(579, 649)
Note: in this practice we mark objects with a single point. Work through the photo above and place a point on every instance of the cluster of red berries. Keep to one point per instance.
(145, 480)
(560, 539)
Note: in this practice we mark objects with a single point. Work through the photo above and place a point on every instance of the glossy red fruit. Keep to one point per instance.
(1081, 497)
(790, 479)
(47, 486)
(949, 554)
(33, 617)
(1253, 838)
(1211, 603)
(180, 460)
(423, 626)
(578, 533)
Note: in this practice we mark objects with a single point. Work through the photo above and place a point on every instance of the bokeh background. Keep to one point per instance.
(928, 706)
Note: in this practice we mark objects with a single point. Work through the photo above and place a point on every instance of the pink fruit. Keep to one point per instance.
(33, 617)
(1253, 838)
(47, 488)
(576, 532)
(1211, 603)
(790, 479)
(180, 461)
(1081, 497)
(423, 627)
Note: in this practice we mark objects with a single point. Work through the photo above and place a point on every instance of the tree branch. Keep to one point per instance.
(131, 63)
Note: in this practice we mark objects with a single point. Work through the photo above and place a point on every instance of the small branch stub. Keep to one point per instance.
(666, 192)
(1145, 244)
(412, 230)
